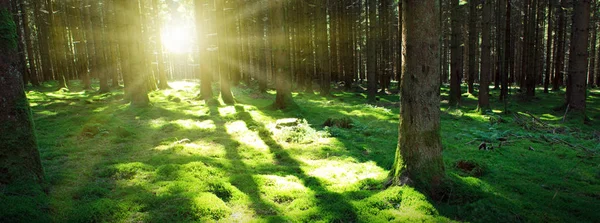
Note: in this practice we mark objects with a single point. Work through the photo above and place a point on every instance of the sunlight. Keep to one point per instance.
(177, 38)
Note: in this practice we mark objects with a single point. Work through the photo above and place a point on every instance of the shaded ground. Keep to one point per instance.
(181, 160)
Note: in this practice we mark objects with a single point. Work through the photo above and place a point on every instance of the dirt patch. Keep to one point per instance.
(470, 167)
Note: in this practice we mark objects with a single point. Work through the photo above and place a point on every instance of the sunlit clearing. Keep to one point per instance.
(177, 39)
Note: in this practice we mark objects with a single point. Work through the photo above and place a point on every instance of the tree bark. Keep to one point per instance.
(205, 76)
(372, 46)
(473, 37)
(224, 70)
(455, 54)
(19, 156)
(486, 59)
(576, 86)
(419, 154)
(548, 72)
(283, 98)
(560, 48)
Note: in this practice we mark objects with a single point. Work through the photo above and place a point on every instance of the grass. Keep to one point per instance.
(181, 160)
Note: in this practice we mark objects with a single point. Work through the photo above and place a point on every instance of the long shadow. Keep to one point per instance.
(329, 202)
(243, 178)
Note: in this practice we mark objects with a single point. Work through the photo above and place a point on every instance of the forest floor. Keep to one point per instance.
(182, 160)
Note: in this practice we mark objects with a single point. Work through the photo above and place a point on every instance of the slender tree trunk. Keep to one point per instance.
(281, 56)
(262, 57)
(549, 49)
(456, 55)
(560, 51)
(224, 70)
(486, 59)
(419, 154)
(473, 37)
(205, 76)
(507, 53)
(372, 46)
(592, 58)
(323, 48)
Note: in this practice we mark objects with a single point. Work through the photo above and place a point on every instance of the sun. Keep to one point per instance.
(177, 39)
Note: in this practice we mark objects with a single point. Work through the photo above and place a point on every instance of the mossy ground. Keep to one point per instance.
(181, 160)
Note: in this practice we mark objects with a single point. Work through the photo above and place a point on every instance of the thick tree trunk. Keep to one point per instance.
(576, 85)
(19, 156)
(455, 54)
(419, 155)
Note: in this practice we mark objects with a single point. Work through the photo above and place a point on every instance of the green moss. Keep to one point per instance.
(8, 30)
(207, 206)
(253, 174)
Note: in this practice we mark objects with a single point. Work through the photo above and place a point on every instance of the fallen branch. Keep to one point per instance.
(537, 119)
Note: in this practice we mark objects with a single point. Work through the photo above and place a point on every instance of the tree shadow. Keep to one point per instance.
(337, 206)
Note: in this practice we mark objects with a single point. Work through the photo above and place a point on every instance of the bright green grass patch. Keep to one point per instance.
(182, 160)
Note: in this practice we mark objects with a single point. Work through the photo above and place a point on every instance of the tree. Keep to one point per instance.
(226, 94)
(560, 47)
(205, 77)
(548, 49)
(419, 154)
(486, 59)
(281, 56)
(473, 37)
(372, 45)
(455, 54)
(19, 156)
(578, 61)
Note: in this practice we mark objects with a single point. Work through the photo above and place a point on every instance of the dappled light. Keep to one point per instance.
(299, 111)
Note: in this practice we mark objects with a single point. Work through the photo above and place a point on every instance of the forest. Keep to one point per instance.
(299, 110)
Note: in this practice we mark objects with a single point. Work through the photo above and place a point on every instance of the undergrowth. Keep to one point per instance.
(182, 160)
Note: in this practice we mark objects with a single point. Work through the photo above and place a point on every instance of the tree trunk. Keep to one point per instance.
(560, 48)
(548, 49)
(224, 70)
(419, 154)
(139, 89)
(372, 46)
(323, 48)
(592, 57)
(473, 37)
(281, 56)
(455, 54)
(576, 86)
(19, 156)
(486, 60)
(205, 76)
